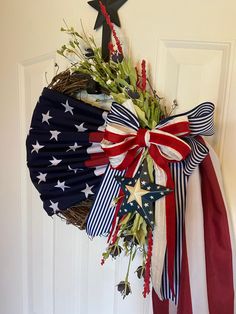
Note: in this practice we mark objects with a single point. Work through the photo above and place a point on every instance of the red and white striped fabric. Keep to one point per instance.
(206, 284)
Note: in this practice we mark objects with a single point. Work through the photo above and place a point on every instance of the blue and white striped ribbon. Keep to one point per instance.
(201, 123)
(180, 180)
(122, 116)
(101, 215)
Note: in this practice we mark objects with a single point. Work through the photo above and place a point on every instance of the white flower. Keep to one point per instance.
(90, 61)
(93, 68)
(109, 82)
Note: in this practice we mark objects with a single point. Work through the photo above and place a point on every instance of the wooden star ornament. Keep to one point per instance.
(140, 194)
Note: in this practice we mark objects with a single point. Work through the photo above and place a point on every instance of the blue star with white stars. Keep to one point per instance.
(140, 194)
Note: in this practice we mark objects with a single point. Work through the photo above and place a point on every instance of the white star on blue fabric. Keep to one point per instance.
(61, 185)
(54, 135)
(41, 177)
(87, 190)
(54, 161)
(80, 128)
(46, 117)
(73, 147)
(36, 147)
(68, 108)
(54, 206)
(73, 169)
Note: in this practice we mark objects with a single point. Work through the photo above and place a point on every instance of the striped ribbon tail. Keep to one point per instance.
(102, 212)
(200, 122)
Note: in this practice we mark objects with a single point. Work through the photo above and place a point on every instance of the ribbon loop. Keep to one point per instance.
(169, 146)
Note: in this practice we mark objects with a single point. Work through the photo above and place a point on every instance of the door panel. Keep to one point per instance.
(194, 72)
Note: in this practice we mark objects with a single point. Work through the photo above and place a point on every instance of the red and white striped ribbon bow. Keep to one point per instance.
(123, 146)
(122, 143)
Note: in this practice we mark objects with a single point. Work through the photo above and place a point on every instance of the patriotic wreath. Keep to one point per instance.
(106, 154)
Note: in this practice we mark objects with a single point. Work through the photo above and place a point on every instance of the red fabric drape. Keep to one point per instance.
(159, 307)
(219, 269)
(185, 302)
(218, 252)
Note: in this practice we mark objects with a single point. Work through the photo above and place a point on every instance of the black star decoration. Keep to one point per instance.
(140, 194)
(112, 8)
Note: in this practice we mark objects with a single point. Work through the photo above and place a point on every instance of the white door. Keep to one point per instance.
(48, 267)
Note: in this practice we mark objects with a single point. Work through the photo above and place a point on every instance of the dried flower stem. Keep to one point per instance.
(130, 259)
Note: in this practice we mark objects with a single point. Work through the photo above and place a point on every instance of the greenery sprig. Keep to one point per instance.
(118, 77)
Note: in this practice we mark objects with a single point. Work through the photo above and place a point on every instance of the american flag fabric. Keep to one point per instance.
(64, 154)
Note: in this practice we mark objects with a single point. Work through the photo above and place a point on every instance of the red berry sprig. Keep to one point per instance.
(146, 287)
(110, 24)
(144, 76)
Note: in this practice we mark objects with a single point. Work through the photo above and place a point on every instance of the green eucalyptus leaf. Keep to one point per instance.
(140, 221)
(135, 224)
(72, 44)
(140, 237)
(141, 116)
(119, 98)
(106, 254)
(150, 167)
(133, 76)
(121, 81)
(60, 53)
(141, 233)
